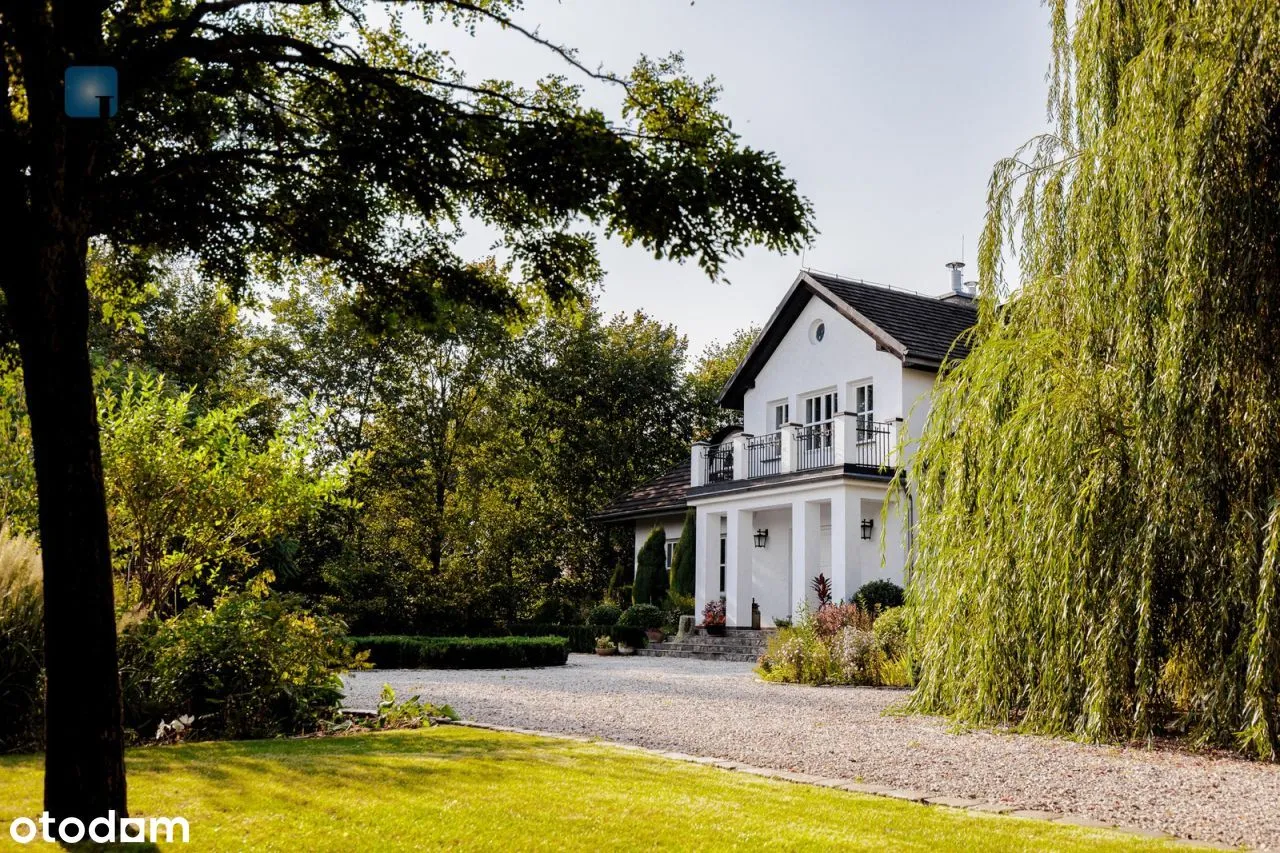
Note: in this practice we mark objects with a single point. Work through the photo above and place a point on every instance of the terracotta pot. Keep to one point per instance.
(606, 652)
(655, 635)
(715, 630)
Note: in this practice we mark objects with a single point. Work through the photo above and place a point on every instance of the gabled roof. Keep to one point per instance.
(660, 496)
(922, 331)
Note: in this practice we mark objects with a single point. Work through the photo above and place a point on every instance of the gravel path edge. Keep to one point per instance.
(923, 797)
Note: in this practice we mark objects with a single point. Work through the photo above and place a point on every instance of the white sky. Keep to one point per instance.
(889, 115)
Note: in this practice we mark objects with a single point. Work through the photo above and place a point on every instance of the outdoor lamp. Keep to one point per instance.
(867, 524)
(762, 536)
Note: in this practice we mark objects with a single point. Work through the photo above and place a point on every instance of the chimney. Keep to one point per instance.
(961, 290)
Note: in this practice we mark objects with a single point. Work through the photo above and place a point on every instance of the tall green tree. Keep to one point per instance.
(651, 569)
(710, 373)
(1099, 482)
(247, 131)
(684, 559)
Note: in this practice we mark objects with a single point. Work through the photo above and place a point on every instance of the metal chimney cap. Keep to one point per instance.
(955, 265)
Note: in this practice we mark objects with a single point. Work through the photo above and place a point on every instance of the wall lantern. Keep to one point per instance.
(762, 537)
(867, 524)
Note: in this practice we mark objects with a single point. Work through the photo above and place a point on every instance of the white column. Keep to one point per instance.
(846, 520)
(740, 456)
(737, 568)
(806, 533)
(844, 438)
(706, 577)
(698, 464)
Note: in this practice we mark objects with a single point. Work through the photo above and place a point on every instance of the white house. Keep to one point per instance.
(833, 393)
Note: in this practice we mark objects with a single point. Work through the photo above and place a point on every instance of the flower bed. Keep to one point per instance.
(840, 644)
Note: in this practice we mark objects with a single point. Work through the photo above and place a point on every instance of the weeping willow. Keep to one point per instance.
(1098, 551)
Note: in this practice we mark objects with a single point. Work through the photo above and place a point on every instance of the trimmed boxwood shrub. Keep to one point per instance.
(879, 595)
(604, 614)
(463, 652)
(582, 638)
(642, 616)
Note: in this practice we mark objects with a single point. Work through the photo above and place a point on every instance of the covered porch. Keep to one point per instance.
(769, 547)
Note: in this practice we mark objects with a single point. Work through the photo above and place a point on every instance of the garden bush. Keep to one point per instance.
(837, 644)
(891, 631)
(879, 595)
(464, 652)
(604, 614)
(642, 616)
(250, 666)
(21, 644)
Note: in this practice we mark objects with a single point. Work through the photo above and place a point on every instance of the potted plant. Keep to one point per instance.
(605, 646)
(624, 649)
(713, 617)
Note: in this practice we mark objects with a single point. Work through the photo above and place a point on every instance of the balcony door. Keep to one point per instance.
(816, 450)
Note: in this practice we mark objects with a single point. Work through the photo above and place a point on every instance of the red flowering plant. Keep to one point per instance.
(713, 613)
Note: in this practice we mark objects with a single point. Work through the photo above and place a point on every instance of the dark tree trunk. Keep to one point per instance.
(84, 757)
(46, 178)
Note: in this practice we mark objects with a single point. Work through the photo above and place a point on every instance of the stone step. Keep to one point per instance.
(703, 642)
(700, 655)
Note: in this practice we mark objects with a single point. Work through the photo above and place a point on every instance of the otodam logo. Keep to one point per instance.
(101, 830)
(90, 91)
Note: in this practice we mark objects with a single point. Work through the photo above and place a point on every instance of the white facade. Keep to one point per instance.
(807, 487)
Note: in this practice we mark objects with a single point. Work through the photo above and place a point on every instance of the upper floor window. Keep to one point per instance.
(864, 408)
(671, 550)
(821, 408)
(779, 414)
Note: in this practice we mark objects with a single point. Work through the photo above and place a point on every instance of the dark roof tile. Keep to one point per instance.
(666, 493)
(925, 325)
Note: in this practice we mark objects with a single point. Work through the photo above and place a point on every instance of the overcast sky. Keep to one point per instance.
(889, 115)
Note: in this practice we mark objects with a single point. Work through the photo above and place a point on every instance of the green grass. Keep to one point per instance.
(466, 789)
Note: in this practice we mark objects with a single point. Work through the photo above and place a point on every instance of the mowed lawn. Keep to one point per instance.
(467, 789)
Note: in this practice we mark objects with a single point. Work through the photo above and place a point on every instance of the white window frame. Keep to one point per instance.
(821, 407)
(779, 413)
(671, 551)
(864, 410)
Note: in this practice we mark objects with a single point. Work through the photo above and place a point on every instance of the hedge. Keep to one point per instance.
(582, 638)
(400, 652)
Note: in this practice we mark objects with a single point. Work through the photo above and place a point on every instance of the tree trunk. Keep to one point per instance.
(84, 757)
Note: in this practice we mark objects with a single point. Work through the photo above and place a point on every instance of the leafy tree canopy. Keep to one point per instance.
(708, 376)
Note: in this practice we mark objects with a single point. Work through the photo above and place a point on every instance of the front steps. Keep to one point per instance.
(744, 645)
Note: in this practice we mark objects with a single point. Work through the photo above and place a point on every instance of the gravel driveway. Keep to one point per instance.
(723, 710)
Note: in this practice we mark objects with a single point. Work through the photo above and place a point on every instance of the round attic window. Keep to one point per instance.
(817, 332)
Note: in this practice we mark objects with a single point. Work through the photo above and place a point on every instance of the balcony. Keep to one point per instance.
(856, 445)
